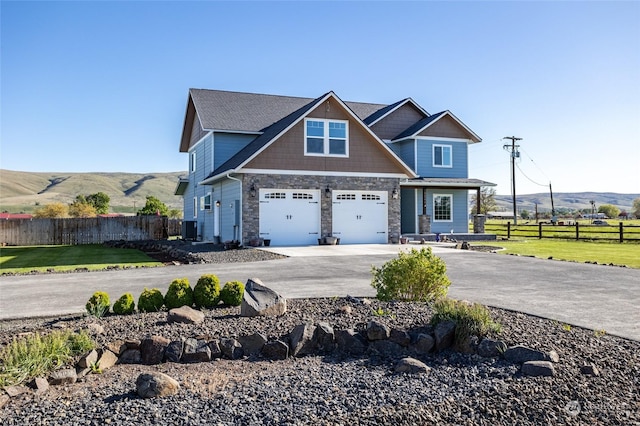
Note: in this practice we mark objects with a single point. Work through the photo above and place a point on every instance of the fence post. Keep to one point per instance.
(540, 230)
(577, 231)
(621, 232)
(508, 230)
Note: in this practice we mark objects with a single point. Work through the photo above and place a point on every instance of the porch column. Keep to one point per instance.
(478, 200)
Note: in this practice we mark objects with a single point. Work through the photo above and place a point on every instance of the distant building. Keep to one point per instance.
(500, 215)
(15, 216)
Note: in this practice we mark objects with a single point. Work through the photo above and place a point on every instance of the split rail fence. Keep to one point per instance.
(619, 232)
(95, 230)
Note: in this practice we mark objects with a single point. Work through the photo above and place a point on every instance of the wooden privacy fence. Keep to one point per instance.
(94, 230)
(619, 232)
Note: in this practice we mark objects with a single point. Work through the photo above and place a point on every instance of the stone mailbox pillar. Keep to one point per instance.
(424, 224)
(478, 223)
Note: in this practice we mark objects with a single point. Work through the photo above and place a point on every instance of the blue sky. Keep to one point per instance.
(102, 86)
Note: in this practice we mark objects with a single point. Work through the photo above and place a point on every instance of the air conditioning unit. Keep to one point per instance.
(190, 230)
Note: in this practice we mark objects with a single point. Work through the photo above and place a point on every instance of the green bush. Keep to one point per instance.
(472, 319)
(124, 305)
(150, 300)
(98, 304)
(417, 275)
(206, 293)
(231, 293)
(179, 294)
(37, 355)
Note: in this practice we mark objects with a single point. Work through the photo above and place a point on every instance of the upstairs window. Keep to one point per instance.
(442, 208)
(442, 156)
(326, 138)
(192, 162)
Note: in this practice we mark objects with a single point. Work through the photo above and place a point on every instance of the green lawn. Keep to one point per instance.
(66, 258)
(581, 251)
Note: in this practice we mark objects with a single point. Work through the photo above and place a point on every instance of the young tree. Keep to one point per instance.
(79, 209)
(100, 201)
(154, 206)
(524, 214)
(487, 200)
(609, 210)
(53, 210)
(636, 208)
(175, 214)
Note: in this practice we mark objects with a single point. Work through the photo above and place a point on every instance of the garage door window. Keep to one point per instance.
(326, 138)
(442, 208)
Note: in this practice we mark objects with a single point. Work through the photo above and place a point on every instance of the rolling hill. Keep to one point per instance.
(24, 191)
(568, 200)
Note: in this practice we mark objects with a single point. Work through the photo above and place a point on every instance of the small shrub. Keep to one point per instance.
(179, 294)
(150, 300)
(417, 275)
(37, 355)
(98, 304)
(471, 319)
(232, 292)
(124, 305)
(206, 293)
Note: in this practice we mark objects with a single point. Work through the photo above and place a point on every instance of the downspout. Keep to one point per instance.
(241, 206)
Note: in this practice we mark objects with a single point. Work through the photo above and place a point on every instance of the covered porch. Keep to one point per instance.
(434, 209)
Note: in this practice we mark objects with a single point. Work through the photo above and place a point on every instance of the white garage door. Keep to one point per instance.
(290, 217)
(360, 217)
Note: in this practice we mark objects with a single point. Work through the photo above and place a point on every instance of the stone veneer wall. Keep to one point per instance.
(251, 205)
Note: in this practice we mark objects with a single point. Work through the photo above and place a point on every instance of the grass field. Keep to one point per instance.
(580, 251)
(67, 258)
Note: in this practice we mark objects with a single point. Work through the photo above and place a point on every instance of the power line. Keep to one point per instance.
(528, 178)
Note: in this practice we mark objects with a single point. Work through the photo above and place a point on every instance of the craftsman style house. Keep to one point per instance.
(295, 170)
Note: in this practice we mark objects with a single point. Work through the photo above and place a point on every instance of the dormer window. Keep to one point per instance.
(442, 156)
(326, 137)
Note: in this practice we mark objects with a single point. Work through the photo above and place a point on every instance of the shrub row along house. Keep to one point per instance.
(294, 170)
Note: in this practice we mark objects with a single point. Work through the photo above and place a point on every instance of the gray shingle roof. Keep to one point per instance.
(253, 112)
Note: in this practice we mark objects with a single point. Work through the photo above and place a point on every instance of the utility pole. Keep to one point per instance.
(513, 150)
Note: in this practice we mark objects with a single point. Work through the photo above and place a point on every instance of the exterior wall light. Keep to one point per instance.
(252, 190)
(217, 203)
(394, 193)
(327, 191)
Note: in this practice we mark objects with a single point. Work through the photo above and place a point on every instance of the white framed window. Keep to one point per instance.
(205, 202)
(442, 156)
(195, 207)
(442, 207)
(192, 162)
(327, 138)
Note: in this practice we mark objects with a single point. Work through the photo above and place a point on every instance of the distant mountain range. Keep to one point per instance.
(567, 200)
(24, 191)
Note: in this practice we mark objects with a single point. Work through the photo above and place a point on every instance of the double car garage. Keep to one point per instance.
(290, 217)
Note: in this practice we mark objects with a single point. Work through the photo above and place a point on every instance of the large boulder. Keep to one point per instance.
(186, 315)
(150, 385)
(260, 300)
(195, 350)
(275, 350)
(350, 342)
(411, 366)
(301, 340)
(444, 334)
(152, 349)
(521, 354)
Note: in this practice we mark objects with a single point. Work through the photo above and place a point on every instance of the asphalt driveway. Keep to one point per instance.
(593, 296)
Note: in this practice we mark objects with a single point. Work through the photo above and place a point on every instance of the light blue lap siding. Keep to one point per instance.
(405, 150)
(459, 157)
(227, 145)
(460, 219)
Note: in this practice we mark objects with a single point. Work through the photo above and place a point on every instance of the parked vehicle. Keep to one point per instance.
(600, 222)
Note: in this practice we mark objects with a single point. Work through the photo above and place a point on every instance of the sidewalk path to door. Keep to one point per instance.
(593, 296)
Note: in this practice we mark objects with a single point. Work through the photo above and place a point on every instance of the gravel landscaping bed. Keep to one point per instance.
(338, 389)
